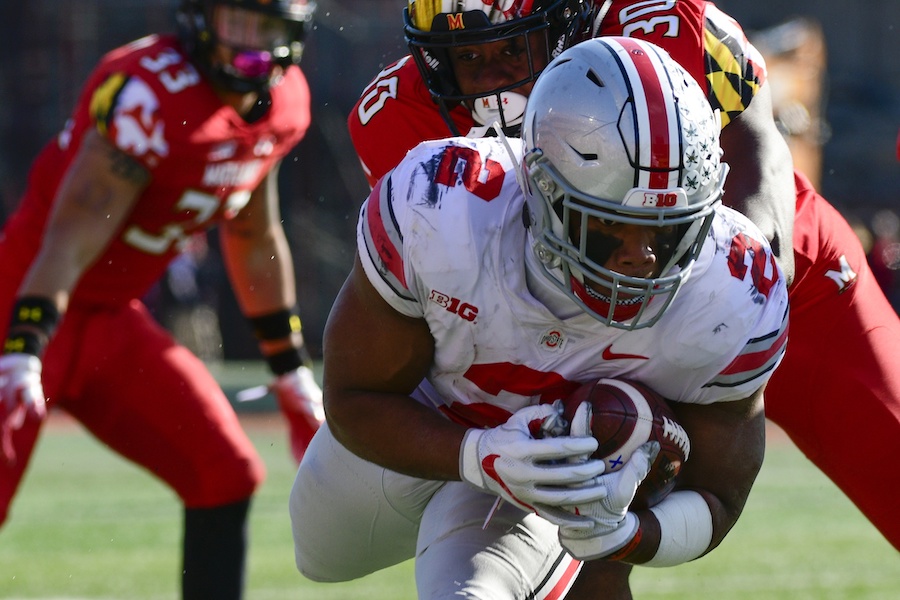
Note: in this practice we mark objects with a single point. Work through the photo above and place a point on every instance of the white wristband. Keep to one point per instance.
(469, 465)
(685, 524)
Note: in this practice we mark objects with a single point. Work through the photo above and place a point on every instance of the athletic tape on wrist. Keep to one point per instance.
(685, 524)
(469, 465)
(31, 325)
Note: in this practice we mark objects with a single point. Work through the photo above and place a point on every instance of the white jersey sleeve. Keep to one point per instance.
(447, 180)
(737, 309)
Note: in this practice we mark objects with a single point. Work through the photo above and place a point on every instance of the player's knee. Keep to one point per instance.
(313, 568)
(241, 479)
(226, 481)
(316, 558)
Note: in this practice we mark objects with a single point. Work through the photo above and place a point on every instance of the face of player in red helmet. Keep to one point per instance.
(482, 69)
(487, 54)
(245, 45)
(249, 44)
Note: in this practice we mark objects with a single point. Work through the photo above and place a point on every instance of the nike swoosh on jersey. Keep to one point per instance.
(608, 354)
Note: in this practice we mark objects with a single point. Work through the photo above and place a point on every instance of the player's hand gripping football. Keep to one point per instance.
(531, 473)
(613, 525)
(300, 400)
(21, 393)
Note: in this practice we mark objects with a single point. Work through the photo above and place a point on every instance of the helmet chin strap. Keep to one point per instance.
(599, 16)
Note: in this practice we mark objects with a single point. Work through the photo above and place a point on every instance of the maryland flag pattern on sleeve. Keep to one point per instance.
(734, 67)
(104, 99)
(708, 43)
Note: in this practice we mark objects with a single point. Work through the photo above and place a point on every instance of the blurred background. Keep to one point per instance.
(833, 67)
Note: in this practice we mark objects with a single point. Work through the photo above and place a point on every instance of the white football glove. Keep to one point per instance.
(300, 400)
(21, 392)
(531, 473)
(613, 525)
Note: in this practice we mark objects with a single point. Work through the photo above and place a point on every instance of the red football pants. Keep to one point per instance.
(837, 391)
(152, 401)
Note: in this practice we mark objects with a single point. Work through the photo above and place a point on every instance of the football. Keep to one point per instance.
(625, 414)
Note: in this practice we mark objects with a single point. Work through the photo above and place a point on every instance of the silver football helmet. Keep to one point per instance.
(616, 130)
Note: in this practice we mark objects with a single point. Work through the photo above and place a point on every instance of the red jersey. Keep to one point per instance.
(149, 101)
(394, 114)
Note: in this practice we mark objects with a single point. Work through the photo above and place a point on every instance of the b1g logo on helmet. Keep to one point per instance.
(464, 310)
(660, 200)
(671, 198)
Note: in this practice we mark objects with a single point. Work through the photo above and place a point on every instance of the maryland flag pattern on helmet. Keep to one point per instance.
(423, 12)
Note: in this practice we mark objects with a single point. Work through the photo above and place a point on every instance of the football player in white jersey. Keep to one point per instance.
(505, 272)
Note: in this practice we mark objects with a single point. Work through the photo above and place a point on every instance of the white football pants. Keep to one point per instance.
(351, 517)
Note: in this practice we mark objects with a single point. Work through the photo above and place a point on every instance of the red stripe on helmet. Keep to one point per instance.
(658, 107)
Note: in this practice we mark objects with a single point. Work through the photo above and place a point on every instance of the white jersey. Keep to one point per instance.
(442, 238)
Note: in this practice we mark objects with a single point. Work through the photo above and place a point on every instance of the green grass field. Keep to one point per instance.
(86, 524)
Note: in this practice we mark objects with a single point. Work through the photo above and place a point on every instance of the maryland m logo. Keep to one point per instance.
(843, 278)
(455, 21)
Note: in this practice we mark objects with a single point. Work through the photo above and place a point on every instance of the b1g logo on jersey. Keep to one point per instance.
(464, 310)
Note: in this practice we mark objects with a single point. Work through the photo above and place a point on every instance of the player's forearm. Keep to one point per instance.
(260, 270)
(94, 200)
(684, 526)
(761, 181)
(262, 277)
(396, 432)
(766, 194)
